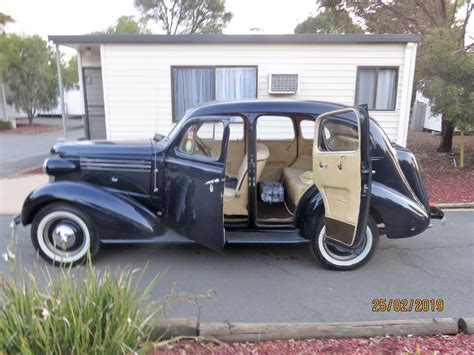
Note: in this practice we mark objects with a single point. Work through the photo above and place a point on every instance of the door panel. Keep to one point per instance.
(195, 186)
(342, 173)
(94, 95)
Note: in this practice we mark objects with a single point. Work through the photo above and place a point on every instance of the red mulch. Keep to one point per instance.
(445, 181)
(33, 171)
(458, 344)
(24, 128)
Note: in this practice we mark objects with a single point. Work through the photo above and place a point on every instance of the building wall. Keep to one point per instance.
(137, 78)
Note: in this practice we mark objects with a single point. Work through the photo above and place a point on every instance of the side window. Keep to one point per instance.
(203, 139)
(307, 129)
(237, 128)
(275, 128)
(336, 135)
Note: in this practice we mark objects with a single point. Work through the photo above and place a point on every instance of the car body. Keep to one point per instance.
(343, 188)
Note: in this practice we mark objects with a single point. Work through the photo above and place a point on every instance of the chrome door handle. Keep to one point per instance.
(322, 165)
(213, 181)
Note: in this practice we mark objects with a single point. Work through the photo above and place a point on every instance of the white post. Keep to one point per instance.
(61, 89)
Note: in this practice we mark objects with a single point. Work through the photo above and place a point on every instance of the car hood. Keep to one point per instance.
(109, 149)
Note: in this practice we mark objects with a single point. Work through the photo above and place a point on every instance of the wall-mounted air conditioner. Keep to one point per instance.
(282, 83)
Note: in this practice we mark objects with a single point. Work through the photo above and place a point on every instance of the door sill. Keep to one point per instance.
(233, 237)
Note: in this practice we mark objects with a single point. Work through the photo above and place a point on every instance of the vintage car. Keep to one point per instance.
(344, 184)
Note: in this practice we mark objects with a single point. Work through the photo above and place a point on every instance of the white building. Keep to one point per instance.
(134, 84)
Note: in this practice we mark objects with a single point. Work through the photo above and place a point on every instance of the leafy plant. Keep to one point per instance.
(5, 125)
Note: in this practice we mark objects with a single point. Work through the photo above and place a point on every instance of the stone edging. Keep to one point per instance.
(251, 332)
(445, 206)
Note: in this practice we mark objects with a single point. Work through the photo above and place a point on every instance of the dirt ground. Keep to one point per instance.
(445, 180)
(458, 344)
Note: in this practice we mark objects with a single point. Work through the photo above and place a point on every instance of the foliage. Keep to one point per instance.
(330, 21)
(70, 73)
(447, 77)
(4, 20)
(28, 68)
(186, 16)
(5, 125)
(126, 25)
(103, 313)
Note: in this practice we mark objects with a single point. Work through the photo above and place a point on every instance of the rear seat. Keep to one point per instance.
(291, 177)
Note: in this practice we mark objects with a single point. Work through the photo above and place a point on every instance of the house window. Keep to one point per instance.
(377, 87)
(193, 85)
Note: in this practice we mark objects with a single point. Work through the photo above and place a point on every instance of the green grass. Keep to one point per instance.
(99, 312)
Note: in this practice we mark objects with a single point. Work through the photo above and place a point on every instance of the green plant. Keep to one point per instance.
(103, 312)
(5, 125)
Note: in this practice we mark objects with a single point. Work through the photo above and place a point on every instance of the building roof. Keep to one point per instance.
(238, 39)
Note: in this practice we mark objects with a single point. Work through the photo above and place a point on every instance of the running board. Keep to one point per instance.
(264, 238)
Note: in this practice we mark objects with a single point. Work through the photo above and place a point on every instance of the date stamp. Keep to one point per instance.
(407, 305)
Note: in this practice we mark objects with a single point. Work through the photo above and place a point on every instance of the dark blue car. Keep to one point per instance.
(235, 172)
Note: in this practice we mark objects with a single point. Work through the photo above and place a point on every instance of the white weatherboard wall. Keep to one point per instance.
(137, 78)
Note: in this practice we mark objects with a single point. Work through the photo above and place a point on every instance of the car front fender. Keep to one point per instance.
(114, 215)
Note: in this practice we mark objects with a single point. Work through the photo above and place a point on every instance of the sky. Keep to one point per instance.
(74, 17)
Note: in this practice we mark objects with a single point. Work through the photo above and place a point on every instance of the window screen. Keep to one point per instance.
(377, 87)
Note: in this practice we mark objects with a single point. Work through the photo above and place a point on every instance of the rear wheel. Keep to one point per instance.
(63, 234)
(331, 257)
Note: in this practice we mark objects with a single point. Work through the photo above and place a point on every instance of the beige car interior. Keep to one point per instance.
(290, 161)
(337, 165)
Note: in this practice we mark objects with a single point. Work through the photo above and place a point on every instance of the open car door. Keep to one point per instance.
(195, 181)
(342, 173)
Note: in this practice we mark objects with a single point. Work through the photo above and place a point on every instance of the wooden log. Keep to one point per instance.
(466, 325)
(172, 327)
(243, 332)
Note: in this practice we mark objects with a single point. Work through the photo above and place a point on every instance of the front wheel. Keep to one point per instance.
(63, 234)
(331, 257)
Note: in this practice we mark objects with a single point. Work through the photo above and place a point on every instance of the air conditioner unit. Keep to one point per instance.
(282, 83)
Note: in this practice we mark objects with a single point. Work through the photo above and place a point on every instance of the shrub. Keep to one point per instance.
(104, 312)
(5, 125)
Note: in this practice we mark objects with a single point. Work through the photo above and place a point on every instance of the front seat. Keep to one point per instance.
(236, 200)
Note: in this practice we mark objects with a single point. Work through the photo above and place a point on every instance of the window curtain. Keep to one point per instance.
(236, 83)
(191, 87)
(366, 87)
(386, 90)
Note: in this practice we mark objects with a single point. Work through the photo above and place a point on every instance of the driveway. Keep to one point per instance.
(284, 284)
(19, 152)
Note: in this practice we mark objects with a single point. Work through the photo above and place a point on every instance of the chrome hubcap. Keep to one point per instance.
(64, 235)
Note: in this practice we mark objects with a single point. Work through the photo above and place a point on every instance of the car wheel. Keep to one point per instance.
(63, 234)
(332, 258)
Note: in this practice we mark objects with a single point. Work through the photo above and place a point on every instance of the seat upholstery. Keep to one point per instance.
(294, 186)
(236, 200)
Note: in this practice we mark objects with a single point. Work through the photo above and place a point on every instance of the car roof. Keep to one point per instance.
(264, 106)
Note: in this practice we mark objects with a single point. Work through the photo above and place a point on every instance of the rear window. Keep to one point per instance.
(275, 128)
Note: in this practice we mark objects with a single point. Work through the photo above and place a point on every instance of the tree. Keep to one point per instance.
(69, 73)
(186, 16)
(447, 80)
(29, 72)
(4, 20)
(126, 25)
(411, 16)
(330, 20)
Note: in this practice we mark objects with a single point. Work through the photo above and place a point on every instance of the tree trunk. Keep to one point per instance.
(447, 130)
(30, 120)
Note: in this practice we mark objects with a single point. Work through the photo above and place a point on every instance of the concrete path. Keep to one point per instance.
(284, 284)
(14, 191)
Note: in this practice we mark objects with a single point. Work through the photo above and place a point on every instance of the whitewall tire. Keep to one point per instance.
(332, 258)
(63, 234)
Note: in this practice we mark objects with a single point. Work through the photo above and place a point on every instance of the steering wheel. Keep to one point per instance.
(202, 147)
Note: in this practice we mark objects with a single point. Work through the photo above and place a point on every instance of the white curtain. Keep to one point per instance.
(366, 87)
(236, 83)
(386, 90)
(191, 86)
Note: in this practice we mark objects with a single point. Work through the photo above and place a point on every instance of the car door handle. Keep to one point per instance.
(213, 181)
